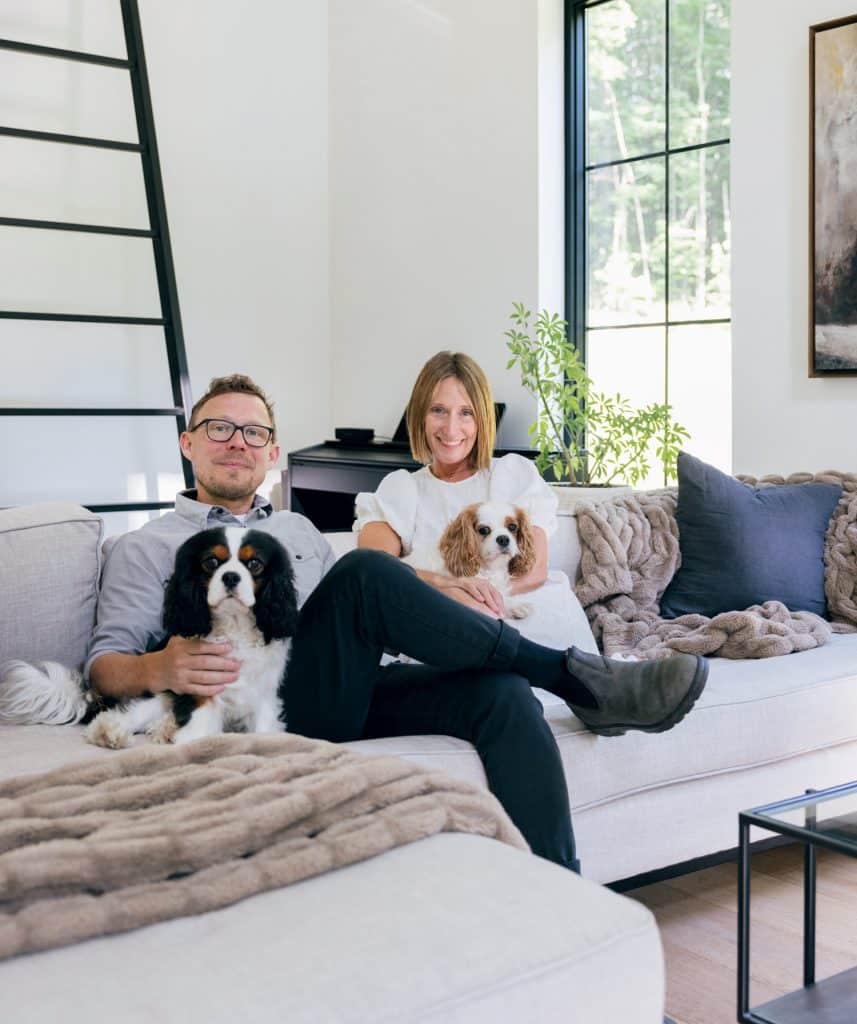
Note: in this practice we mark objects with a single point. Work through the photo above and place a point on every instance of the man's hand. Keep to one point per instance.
(184, 666)
(193, 666)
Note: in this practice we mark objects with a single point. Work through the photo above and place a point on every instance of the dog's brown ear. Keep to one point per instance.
(526, 556)
(459, 545)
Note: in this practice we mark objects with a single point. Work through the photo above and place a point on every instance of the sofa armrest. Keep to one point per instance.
(564, 551)
(342, 542)
(50, 566)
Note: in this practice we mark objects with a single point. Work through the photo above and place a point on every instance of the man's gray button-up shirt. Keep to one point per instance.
(138, 564)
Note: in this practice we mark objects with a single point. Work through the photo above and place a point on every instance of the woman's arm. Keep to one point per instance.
(380, 537)
(476, 594)
(539, 572)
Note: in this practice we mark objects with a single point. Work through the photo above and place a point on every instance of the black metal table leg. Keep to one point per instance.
(743, 919)
(809, 869)
(809, 891)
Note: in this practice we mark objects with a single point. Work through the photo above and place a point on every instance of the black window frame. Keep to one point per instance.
(576, 171)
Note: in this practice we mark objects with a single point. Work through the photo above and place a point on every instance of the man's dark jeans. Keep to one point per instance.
(336, 690)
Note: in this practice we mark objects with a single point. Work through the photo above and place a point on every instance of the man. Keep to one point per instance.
(476, 679)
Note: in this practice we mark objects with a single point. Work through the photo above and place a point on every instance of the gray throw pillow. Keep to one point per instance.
(743, 545)
(49, 568)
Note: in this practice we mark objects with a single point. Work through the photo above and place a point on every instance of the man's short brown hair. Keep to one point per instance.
(475, 383)
(234, 384)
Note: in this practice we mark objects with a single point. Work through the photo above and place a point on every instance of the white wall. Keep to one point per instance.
(240, 97)
(434, 188)
(240, 101)
(444, 203)
(783, 421)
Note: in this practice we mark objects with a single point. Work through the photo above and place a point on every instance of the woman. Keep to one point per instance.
(451, 424)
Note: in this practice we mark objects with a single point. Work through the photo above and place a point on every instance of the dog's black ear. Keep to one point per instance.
(276, 605)
(186, 611)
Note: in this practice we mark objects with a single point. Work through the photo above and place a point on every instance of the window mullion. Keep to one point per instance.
(667, 144)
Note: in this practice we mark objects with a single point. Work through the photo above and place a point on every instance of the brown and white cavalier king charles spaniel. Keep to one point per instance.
(229, 583)
(493, 540)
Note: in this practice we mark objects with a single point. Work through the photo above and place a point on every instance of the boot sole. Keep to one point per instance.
(690, 698)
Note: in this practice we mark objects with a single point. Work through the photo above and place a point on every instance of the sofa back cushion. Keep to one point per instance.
(50, 566)
(743, 545)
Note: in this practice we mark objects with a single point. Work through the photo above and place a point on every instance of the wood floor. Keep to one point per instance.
(697, 918)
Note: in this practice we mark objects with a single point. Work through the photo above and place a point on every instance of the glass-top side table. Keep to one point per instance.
(826, 818)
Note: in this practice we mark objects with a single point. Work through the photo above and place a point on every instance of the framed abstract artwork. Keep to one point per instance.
(833, 198)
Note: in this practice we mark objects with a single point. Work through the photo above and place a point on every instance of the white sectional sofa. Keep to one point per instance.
(762, 730)
(454, 928)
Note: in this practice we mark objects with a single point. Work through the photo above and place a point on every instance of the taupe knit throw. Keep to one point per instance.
(155, 833)
(630, 552)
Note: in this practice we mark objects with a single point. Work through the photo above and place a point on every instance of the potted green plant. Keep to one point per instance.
(583, 436)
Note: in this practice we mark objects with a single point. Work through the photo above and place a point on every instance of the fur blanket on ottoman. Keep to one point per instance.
(630, 552)
(155, 833)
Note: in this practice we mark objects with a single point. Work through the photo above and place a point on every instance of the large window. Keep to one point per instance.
(648, 207)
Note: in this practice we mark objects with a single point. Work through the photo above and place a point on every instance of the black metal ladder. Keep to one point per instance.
(170, 318)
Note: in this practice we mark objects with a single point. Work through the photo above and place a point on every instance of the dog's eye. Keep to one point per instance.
(255, 565)
(483, 531)
(210, 563)
(512, 527)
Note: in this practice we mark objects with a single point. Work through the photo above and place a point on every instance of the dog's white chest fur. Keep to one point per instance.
(254, 696)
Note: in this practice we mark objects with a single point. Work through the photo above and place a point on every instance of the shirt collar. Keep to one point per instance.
(204, 516)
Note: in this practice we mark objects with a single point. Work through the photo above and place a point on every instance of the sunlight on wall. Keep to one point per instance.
(167, 485)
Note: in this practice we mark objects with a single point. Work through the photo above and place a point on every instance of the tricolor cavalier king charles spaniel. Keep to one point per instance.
(493, 540)
(229, 583)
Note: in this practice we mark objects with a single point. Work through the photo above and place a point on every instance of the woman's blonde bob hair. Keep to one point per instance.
(475, 383)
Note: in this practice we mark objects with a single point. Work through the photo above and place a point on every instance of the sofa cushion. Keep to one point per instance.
(454, 929)
(743, 545)
(49, 571)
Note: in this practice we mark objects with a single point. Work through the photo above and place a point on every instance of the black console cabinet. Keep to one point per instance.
(322, 481)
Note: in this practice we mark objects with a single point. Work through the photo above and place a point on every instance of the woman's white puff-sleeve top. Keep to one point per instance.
(418, 506)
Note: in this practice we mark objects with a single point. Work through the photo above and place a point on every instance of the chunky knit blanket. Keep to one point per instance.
(630, 552)
(155, 833)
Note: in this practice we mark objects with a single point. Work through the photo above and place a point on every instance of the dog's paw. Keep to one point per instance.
(188, 735)
(519, 610)
(164, 731)
(107, 730)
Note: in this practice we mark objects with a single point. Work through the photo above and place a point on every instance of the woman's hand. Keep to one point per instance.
(485, 595)
(472, 591)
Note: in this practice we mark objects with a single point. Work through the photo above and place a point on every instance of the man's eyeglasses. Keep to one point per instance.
(254, 434)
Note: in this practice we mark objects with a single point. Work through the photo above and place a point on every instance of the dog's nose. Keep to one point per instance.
(231, 580)
(502, 540)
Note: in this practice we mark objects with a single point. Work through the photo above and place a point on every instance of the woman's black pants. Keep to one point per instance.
(336, 690)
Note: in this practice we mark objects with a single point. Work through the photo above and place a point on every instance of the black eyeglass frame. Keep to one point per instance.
(235, 426)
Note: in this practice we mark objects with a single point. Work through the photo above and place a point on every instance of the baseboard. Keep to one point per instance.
(697, 864)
